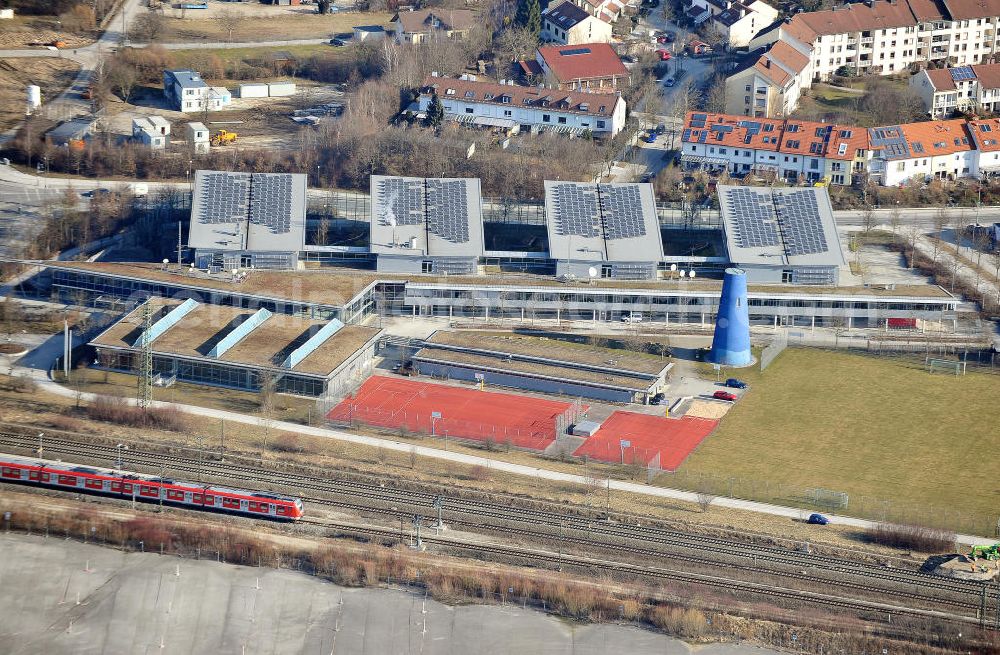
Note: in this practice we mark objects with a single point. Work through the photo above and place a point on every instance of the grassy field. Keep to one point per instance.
(52, 75)
(276, 28)
(880, 430)
(229, 56)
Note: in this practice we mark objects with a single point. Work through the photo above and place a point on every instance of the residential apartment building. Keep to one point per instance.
(418, 26)
(769, 85)
(985, 134)
(963, 88)
(517, 108)
(739, 22)
(586, 66)
(186, 91)
(795, 151)
(568, 24)
(934, 149)
(887, 37)
(606, 10)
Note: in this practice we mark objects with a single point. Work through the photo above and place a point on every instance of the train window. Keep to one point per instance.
(196, 498)
(67, 479)
(209, 500)
(94, 484)
(126, 488)
(34, 475)
(116, 486)
(254, 506)
(232, 503)
(45, 477)
(175, 495)
(281, 509)
(11, 472)
(148, 491)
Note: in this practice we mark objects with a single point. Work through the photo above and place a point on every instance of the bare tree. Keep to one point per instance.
(895, 217)
(323, 231)
(705, 500)
(912, 234)
(148, 27)
(230, 21)
(940, 221)
(867, 218)
(123, 78)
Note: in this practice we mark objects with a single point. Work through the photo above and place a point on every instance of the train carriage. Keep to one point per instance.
(135, 486)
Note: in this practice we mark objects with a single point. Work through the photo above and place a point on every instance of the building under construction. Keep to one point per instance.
(237, 348)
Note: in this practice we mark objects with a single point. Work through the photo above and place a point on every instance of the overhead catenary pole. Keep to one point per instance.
(144, 393)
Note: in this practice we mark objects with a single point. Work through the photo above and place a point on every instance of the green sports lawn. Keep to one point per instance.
(878, 429)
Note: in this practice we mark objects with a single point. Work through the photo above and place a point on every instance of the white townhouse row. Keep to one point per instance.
(515, 108)
(809, 152)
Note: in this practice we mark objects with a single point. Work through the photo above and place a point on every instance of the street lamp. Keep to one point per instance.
(40, 435)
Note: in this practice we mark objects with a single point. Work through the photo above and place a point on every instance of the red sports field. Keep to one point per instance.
(522, 421)
(672, 439)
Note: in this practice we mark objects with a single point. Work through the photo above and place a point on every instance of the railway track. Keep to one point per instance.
(660, 554)
(548, 557)
(659, 542)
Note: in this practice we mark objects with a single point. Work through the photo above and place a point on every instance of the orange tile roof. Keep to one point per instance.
(928, 10)
(735, 131)
(788, 136)
(966, 9)
(935, 138)
(579, 102)
(788, 56)
(804, 138)
(855, 138)
(858, 17)
(586, 61)
(986, 133)
(941, 79)
(988, 75)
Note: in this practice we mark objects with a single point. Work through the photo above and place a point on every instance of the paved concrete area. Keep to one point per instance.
(77, 599)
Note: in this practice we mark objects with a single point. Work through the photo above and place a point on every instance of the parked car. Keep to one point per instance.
(648, 177)
(632, 318)
(658, 399)
(650, 138)
(724, 395)
(817, 519)
(664, 55)
(669, 82)
(733, 383)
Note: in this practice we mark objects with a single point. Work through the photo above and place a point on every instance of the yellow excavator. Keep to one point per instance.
(223, 138)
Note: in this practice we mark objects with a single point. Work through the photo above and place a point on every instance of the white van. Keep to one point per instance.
(140, 189)
(632, 318)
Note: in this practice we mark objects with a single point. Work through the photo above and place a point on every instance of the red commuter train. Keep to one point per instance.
(147, 488)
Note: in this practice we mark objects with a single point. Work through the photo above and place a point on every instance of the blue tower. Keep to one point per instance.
(731, 343)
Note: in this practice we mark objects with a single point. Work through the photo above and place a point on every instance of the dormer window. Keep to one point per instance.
(584, 106)
(487, 96)
(505, 99)
(470, 94)
(601, 109)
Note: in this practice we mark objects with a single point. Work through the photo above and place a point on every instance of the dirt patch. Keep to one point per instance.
(51, 75)
(30, 31)
(707, 409)
(250, 25)
(12, 348)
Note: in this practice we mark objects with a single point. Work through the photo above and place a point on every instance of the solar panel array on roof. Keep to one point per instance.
(448, 210)
(271, 201)
(577, 211)
(800, 222)
(962, 73)
(224, 197)
(401, 200)
(699, 120)
(891, 141)
(621, 208)
(754, 221)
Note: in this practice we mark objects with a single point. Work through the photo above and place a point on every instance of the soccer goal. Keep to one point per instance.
(945, 366)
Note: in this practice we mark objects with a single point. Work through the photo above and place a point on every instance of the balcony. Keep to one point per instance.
(867, 39)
